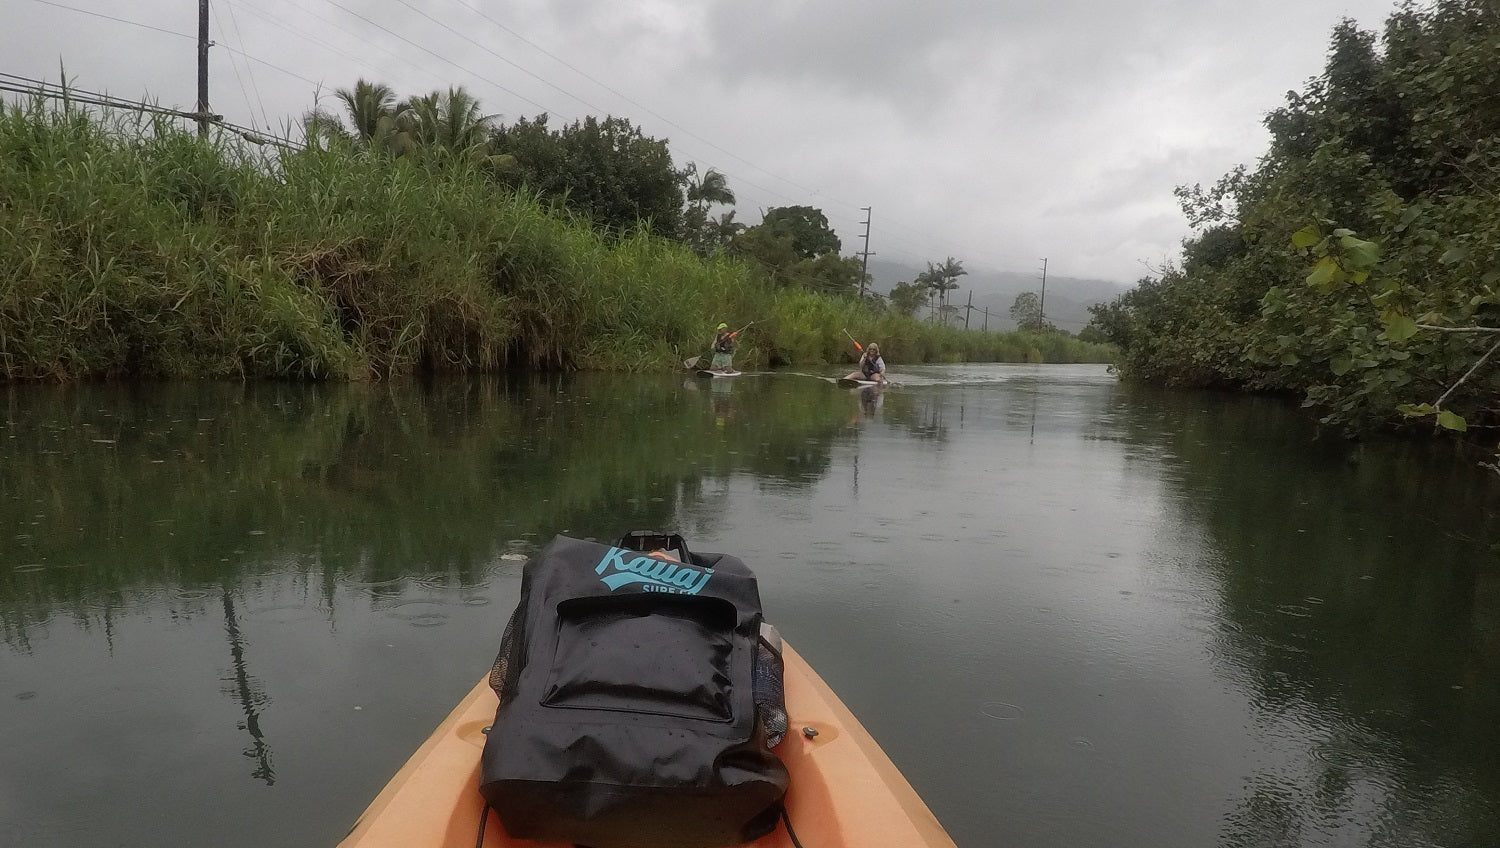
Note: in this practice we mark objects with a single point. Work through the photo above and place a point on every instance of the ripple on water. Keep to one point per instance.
(29, 567)
(1211, 623)
(1002, 711)
(444, 583)
(421, 613)
(1345, 745)
(286, 613)
(124, 603)
(377, 584)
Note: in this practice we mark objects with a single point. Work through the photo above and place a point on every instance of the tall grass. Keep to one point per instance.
(129, 247)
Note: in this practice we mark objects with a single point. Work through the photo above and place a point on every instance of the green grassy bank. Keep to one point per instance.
(130, 248)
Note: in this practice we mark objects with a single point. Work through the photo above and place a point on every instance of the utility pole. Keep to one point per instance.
(969, 307)
(1042, 307)
(865, 254)
(203, 44)
(986, 312)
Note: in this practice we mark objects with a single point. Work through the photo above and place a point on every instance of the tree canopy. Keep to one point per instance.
(606, 170)
(805, 228)
(1358, 263)
(907, 298)
(1026, 311)
(795, 247)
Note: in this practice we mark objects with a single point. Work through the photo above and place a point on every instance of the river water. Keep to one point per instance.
(1073, 612)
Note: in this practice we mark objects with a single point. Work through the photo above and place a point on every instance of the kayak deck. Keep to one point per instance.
(845, 792)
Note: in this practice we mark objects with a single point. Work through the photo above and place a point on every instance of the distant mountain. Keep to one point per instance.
(1067, 303)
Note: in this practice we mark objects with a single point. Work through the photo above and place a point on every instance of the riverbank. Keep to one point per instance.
(1356, 265)
(135, 249)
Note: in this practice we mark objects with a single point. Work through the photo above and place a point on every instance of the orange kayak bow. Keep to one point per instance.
(845, 792)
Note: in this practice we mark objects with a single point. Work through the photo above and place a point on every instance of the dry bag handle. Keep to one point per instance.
(646, 541)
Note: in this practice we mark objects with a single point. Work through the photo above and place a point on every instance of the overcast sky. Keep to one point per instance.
(994, 131)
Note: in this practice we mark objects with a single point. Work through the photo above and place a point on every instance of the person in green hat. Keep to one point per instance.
(723, 349)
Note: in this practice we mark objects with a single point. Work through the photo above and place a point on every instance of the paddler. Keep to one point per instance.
(723, 349)
(871, 365)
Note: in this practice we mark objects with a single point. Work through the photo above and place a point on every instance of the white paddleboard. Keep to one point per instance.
(855, 384)
(708, 372)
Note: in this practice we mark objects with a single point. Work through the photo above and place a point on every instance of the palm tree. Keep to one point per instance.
(371, 119)
(712, 188)
(322, 127)
(725, 228)
(451, 120)
(703, 233)
(366, 104)
(943, 279)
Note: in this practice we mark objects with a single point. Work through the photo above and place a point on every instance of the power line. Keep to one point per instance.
(113, 18)
(885, 230)
(490, 51)
(636, 104)
(41, 88)
(76, 96)
(666, 120)
(282, 24)
(271, 65)
(438, 55)
(173, 32)
(35, 87)
(234, 66)
(567, 93)
(239, 34)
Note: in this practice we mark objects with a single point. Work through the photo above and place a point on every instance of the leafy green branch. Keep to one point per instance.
(1342, 259)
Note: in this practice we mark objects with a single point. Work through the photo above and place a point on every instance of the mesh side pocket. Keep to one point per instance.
(502, 673)
(770, 692)
(508, 662)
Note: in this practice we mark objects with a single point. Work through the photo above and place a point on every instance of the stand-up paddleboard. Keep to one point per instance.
(708, 372)
(850, 383)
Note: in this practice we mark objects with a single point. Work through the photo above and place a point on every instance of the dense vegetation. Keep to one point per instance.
(407, 237)
(1356, 265)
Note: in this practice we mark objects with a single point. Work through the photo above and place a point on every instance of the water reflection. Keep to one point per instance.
(1073, 612)
(249, 694)
(191, 485)
(1357, 604)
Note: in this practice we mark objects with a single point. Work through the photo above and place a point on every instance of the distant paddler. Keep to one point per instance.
(723, 349)
(871, 365)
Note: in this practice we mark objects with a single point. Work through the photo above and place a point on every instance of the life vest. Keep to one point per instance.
(639, 700)
(724, 343)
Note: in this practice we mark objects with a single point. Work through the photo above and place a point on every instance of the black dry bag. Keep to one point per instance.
(638, 700)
